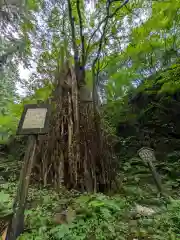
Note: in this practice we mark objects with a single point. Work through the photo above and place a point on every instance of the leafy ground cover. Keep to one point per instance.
(135, 212)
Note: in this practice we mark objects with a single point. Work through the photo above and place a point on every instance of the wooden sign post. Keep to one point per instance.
(34, 121)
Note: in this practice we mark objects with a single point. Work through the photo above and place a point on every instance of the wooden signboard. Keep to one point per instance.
(34, 121)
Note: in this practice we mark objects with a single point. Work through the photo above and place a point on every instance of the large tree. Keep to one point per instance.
(68, 43)
(79, 47)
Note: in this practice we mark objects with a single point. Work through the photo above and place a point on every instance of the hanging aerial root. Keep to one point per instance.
(71, 155)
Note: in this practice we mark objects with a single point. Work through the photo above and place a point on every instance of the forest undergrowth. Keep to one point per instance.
(133, 210)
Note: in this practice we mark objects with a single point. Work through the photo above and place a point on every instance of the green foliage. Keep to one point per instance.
(170, 80)
(130, 53)
(168, 219)
(93, 215)
(97, 216)
(9, 121)
(153, 45)
(7, 193)
(5, 205)
(143, 111)
(9, 169)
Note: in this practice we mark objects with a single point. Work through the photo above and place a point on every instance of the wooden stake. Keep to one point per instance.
(16, 225)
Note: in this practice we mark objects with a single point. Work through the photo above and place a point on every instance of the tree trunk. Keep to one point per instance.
(71, 155)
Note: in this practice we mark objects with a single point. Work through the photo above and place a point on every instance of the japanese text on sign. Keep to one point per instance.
(34, 118)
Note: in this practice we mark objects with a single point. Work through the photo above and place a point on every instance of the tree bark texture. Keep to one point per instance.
(73, 154)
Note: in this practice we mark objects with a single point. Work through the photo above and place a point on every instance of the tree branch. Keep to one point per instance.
(105, 20)
(81, 33)
(104, 28)
(94, 75)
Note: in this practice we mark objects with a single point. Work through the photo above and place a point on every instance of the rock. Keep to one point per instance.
(144, 211)
(59, 218)
(71, 214)
(66, 216)
(141, 211)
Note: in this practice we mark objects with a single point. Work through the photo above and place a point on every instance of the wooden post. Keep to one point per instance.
(16, 225)
(34, 121)
(155, 175)
(148, 156)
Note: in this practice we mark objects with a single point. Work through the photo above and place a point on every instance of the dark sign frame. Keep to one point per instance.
(34, 131)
